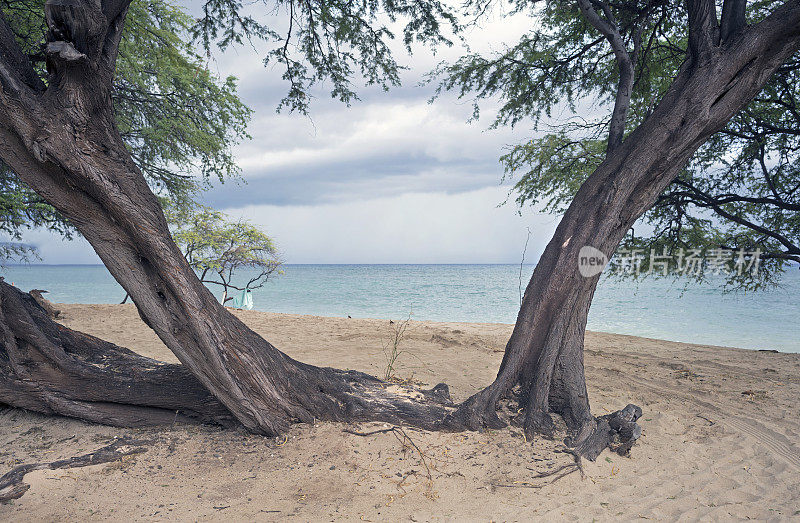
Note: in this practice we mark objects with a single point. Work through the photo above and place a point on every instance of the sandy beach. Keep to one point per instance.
(721, 439)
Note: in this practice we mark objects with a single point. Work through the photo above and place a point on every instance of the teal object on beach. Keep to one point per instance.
(244, 300)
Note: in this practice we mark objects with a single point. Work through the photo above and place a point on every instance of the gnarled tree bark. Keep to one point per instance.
(62, 141)
(48, 368)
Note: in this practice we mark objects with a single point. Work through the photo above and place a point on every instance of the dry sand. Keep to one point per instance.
(721, 439)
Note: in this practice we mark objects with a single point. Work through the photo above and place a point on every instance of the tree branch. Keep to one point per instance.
(608, 28)
(114, 8)
(703, 27)
(15, 66)
(114, 34)
(707, 200)
(733, 18)
(721, 199)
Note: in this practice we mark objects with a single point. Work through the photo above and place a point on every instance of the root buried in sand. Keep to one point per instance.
(13, 487)
(560, 472)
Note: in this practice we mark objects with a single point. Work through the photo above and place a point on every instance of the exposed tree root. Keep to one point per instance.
(48, 368)
(587, 435)
(617, 431)
(13, 487)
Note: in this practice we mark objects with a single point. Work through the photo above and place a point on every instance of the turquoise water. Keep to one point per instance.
(482, 293)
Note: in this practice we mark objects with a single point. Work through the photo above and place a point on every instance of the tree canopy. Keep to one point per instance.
(178, 120)
(568, 79)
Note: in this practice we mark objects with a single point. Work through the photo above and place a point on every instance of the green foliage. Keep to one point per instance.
(21, 208)
(217, 248)
(559, 62)
(742, 189)
(16, 252)
(318, 41)
(555, 166)
(178, 120)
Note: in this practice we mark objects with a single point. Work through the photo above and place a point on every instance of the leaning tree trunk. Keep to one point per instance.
(543, 361)
(61, 140)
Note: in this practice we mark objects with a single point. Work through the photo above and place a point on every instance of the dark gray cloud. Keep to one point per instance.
(357, 179)
(387, 143)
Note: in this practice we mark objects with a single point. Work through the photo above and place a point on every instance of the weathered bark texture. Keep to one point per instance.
(62, 141)
(543, 362)
(48, 368)
(44, 303)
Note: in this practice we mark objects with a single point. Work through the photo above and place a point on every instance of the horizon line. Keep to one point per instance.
(284, 264)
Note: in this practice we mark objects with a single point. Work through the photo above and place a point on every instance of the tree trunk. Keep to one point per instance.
(543, 362)
(48, 368)
(262, 387)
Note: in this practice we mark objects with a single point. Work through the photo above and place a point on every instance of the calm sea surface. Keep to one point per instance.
(663, 309)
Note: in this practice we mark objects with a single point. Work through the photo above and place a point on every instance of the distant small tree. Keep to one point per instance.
(217, 247)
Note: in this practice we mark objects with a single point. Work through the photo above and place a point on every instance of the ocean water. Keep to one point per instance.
(664, 309)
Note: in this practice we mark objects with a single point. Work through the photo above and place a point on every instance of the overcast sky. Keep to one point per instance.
(391, 179)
